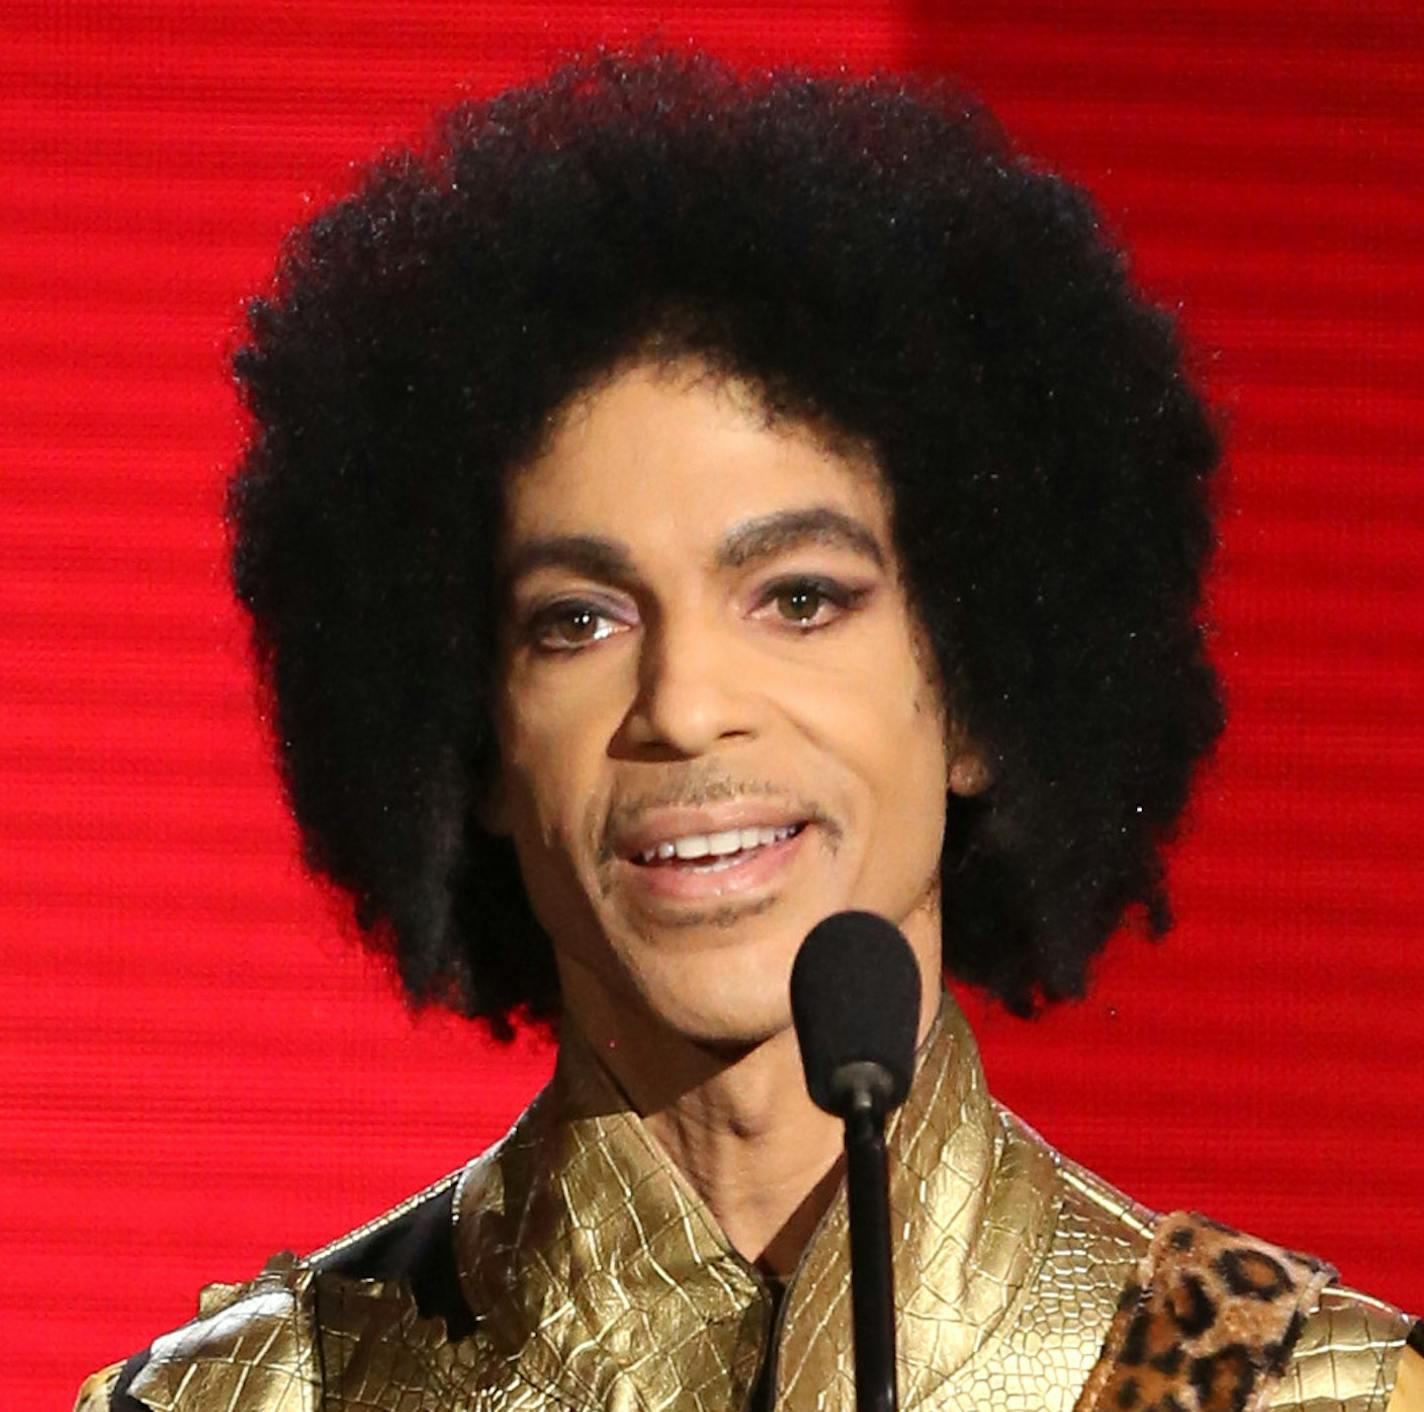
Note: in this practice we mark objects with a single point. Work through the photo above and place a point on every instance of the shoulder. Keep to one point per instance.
(1178, 1296)
(1355, 1354)
(257, 1345)
(253, 1338)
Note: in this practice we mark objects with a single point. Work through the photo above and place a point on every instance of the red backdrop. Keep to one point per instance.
(199, 1070)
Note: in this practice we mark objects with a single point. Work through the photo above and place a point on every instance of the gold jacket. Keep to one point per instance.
(598, 1282)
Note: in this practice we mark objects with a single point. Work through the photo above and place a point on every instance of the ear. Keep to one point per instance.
(969, 772)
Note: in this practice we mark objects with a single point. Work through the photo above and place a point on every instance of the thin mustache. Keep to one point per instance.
(693, 794)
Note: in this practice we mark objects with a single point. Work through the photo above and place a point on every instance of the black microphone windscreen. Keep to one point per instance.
(855, 996)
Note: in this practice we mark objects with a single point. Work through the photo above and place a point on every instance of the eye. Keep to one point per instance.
(806, 603)
(566, 627)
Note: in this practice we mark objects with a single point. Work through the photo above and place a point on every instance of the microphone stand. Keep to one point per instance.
(862, 1091)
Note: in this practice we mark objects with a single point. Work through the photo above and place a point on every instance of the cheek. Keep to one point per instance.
(891, 734)
(912, 766)
(554, 745)
(894, 779)
(885, 713)
(547, 790)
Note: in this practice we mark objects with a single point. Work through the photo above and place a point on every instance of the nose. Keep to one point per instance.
(693, 691)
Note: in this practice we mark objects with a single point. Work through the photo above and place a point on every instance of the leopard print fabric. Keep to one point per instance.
(1207, 1324)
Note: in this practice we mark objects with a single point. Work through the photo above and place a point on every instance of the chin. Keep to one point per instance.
(733, 1030)
(722, 1000)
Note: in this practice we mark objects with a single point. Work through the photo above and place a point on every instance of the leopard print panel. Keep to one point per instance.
(1207, 1324)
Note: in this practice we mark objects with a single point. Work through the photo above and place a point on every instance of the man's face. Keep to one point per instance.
(715, 725)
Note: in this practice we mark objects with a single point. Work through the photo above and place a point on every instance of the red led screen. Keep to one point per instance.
(198, 1069)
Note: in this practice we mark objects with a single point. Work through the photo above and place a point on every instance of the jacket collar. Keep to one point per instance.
(596, 1271)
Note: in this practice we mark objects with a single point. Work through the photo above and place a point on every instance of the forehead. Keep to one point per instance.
(657, 451)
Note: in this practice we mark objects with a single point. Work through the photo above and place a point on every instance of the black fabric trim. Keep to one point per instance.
(1416, 1336)
(119, 1399)
(418, 1246)
(763, 1396)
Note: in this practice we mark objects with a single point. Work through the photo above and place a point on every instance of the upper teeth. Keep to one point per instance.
(700, 845)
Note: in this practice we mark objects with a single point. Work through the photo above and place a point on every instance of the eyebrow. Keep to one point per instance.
(773, 534)
(761, 538)
(583, 553)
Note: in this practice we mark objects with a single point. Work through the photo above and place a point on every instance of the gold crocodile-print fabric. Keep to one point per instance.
(1008, 1263)
(601, 1283)
(1004, 1291)
(603, 1274)
(1347, 1356)
(252, 1347)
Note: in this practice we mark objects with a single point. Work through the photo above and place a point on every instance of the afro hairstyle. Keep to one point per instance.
(870, 254)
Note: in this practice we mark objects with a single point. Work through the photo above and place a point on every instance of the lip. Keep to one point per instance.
(664, 825)
(669, 882)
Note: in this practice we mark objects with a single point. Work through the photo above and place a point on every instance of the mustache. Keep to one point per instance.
(693, 791)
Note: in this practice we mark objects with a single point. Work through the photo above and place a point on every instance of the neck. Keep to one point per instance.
(755, 1148)
(736, 1121)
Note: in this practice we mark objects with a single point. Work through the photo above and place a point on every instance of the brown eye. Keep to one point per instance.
(578, 625)
(565, 627)
(801, 602)
(808, 604)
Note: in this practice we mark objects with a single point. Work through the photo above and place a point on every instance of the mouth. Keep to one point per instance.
(712, 852)
(710, 865)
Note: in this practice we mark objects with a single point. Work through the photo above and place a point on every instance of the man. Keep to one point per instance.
(679, 508)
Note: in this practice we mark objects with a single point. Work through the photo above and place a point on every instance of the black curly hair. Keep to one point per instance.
(871, 255)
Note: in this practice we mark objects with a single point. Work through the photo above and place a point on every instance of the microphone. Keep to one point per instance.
(855, 1002)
